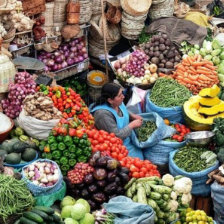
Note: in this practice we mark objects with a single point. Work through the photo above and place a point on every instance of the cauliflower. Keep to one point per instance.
(173, 195)
(173, 205)
(183, 185)
(168, 180)
(186, 198)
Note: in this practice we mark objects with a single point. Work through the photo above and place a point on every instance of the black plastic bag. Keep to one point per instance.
(216, 9)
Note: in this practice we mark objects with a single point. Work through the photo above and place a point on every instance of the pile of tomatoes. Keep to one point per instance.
(107, 142)
(182, 130)
(140, 168)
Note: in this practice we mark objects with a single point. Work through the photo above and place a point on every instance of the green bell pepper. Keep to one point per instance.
(72, 155)
(76, 140)
(42, 145)
(72, 148)
(68, 140)
(82, 159)
(46, 92)
(66, 153)
(56, 155)
(63, 160)
(72, 162)
(61, 146)
(23, 138)
(19, 131)
(51, 139)
(78, 152)
(54, 146)
(48, 156)
(59, 138)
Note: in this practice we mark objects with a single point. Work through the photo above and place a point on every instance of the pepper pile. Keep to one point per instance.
(66, 150)
(68, 102)
(107, 143)
(182, 130)
(146, 130)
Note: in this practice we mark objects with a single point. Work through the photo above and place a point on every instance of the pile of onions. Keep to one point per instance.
(67, 54)
(24, 85)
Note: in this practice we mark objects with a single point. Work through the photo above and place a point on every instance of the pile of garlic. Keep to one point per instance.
(3, 32)
(14, 4)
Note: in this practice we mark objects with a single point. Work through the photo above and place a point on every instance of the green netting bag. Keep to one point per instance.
(48, 200)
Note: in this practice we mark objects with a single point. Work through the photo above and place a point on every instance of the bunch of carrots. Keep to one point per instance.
(196, 73)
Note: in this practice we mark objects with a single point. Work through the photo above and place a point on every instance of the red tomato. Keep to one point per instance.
(136, 175)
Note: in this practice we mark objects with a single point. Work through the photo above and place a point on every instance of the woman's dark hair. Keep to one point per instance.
(109, 90)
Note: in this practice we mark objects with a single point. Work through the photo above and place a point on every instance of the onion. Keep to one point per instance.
(64, 64)
(66, 53)
(70, 61)
(73, 49)
(50, 62)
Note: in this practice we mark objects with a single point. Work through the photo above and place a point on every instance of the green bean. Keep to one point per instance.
(146, 130)
(169, 93)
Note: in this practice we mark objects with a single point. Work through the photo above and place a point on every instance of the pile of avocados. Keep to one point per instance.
(15, 152)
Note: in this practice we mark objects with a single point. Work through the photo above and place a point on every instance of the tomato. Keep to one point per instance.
(100, 139)
(133, 168)
(144, 169)
(180, 138)
(141, 174)
(136, 175)
(114, 155)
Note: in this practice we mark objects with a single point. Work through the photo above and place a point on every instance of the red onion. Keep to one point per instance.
(70, 61)
(64, 64)
(50, 62)
(73, 49)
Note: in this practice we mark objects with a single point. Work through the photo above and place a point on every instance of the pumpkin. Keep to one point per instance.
(210, 92)
(212, 110)
(194, 119)
(209, 102)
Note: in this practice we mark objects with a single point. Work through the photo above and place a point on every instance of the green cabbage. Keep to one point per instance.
(216, 44)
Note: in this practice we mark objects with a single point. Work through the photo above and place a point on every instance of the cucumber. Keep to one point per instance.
(155, 195)
(44, 215)
(129, 183)
(24, 220)
(33, 216)
(56, 218)
(47, 210)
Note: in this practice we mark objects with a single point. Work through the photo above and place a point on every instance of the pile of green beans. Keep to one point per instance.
(145, 131)
(189, 159)
(169, 93)
(15, 198)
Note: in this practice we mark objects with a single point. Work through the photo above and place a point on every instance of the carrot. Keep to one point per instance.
(203, 77)
(162, 74)
(199, 57)
(192, 69)
(181, 68)
(193, 77)
(200, 71)
(188, 81)
(198, 63)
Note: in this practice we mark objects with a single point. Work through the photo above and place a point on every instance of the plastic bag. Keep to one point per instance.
(199, 188)
(136, 102)
(162, 131)
(216, 9)
(36, 128)
(173, 114)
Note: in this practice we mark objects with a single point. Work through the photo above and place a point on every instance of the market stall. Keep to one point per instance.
(166, 62)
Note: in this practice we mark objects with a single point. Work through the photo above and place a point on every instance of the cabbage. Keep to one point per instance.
(216, 44)
(66, 211)
(222, 56)
(208, 57)
(207, 45)
(216, 52)
(70, 221)
(216, 60)
(85, 203)
(68, 200)
(88, 219)
(78, 211)
(203, 52)
(221, 68)
(221, 77)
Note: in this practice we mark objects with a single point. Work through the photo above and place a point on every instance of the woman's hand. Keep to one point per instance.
(135, 123)
(135, 116)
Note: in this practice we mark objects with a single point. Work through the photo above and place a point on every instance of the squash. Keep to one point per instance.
(210, 92)
(212, 110)
(194, 120)
(209, 102)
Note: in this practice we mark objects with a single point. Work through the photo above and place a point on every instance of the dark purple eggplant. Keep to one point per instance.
(75, 191)
(101, 162)
(85, 193)
(94, 157)
(99, 197)
(88, 179)
(112, 164)
(101, 183)
(118, 181)
(110, 188)
(80, 186)
(124, 170)
(124, 177)
(92, 204)
(92, 188)
(99, 173)
(111, 176)
(120, 190)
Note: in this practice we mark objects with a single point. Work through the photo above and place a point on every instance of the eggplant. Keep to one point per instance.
(80, 186)
(101, 183)
(100, 174)
(76, 191)
(94, 157)
(101, 162)
(88, 179)
(110, 188)
(92, 188)
(85, 193)
(124, 177)
(99, 197)
(120, 190)
(111, 176)
(112, 164)
(118, 181)
(92, 204)
(124, 170)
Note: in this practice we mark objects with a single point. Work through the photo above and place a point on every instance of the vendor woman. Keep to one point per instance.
(111, 115)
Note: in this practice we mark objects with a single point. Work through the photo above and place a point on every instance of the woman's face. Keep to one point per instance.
(117, 101)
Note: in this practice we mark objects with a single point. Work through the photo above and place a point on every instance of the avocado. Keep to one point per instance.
(29, 154)
(7, 145)
(19, 147)
(13, 158)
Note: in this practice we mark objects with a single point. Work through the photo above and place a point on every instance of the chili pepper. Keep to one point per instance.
(56, 155)
(72, 148)
(51, 139)
(46, 148)
(54, 146)
(63, 160)
(61, 146)
(71, 162)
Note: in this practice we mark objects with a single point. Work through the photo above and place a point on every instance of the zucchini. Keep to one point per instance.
(24, 220)
(135, 198)
(152, 203)
(133, 188)
(128, 193)
(166, 197)
(47, 210)
(147, 189)
(148, 179)
(161, 189)
(141, 195)
(155, 195)
(129, 184)
(44, 215)
(159, 202)
(33, 216)
(56, 218)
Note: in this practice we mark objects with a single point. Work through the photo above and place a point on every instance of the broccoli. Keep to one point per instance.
(220, 155)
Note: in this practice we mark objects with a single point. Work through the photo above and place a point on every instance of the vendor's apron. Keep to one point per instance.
(122, 122)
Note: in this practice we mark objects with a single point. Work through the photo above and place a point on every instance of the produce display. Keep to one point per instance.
(41, 107)
(139, 168)
(168, 93)
(135, 69)
(162, 51)
(106, 181)
(66, 150)
(15, 197)
(196, 73)
(40, 214)
(69, 53)
(182, 130)
(145, 131)
(202, 109)
(42, 173)
(165, 195)
(194, 159)
(23, 86)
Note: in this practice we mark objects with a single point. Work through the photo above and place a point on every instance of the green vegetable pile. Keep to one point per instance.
(194, 159)
(168, 93)
(15, 197)
(146, 130)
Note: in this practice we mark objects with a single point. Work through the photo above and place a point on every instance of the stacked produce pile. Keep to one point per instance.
(182, 130)
(24, 85)
(41, 107)
(166, 196)
(106, 181)
(67, 54)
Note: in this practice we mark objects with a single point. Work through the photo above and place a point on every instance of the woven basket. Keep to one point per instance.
(48, 14)
(33, 7)
(10, 34)
(97, 7)
(59, 14)
(165, 9)
(3, 3)
(85, 12)
(156, 2)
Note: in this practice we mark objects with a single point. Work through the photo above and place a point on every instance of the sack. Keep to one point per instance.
(159, 153)
(173, 114)
(38, 190)
(36, 128)
(217, 194)
(162, 131)
(49, 199)
(199, 188)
